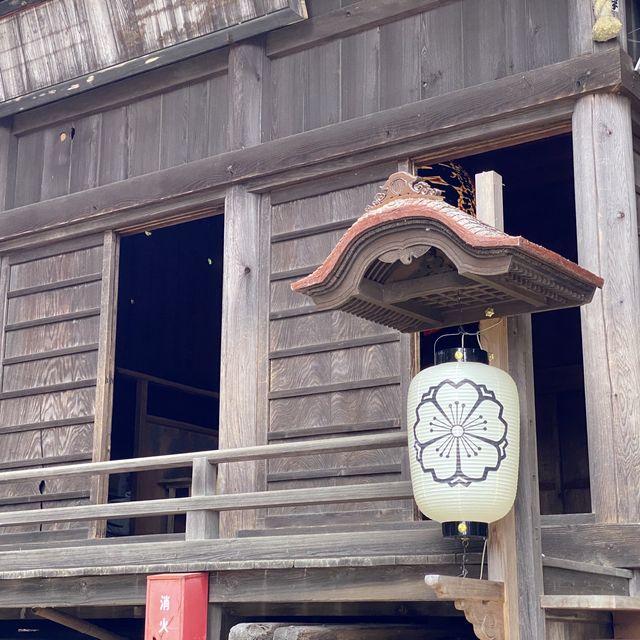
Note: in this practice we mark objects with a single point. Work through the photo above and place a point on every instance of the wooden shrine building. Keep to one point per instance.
(170, 404)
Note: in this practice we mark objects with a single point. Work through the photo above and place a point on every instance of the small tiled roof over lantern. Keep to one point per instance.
(413, 262)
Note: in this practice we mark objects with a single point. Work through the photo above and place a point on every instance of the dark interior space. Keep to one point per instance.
(539, 205)
(167, 358)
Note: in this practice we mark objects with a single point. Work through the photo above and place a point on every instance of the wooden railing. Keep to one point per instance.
(203, 506)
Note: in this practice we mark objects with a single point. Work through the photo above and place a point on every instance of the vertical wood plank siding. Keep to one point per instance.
(330, 373)
(181, 125)
(459, 44)
(50, 301)
(396, 63)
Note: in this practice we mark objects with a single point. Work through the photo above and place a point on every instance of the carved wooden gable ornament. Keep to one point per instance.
(413, 262)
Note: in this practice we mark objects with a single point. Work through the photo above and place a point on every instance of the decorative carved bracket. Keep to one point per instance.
(486, 616)
(481, 601)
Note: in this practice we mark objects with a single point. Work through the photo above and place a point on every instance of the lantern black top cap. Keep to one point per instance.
(464, 355)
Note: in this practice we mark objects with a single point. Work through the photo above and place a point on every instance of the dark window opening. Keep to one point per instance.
(539, 205)
(167, 360)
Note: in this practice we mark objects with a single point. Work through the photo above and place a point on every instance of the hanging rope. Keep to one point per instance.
(608, 24)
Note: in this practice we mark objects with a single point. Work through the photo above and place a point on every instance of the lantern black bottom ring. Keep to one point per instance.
(465, 529)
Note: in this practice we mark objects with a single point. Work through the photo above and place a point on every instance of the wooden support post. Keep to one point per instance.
(105, 373)
(240, 319)
(202, 525)
(514, 551)
(239, 370)
(606, 220)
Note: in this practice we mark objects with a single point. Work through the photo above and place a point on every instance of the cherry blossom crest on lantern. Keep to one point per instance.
(458, 442)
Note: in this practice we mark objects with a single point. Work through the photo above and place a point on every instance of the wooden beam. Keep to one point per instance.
(421, 287)
(124, 91)
(591, 603)
(120, 590)
(510, 559)
(77, 624)
(202, 525)
(176, 460)
(370, 291)
(105, 372)
(186, 388)
(329, 584)
(161, 58)
(340, 23)
(133, 558)
(243, 266)
(450, 588)
(606, 544)
(233, 501)
(420, 127)
(481, 601)
(607, 226)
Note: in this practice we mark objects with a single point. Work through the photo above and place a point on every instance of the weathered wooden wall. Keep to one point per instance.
(455, 45)
(180, 125)
(448, 47)
(57, 41)
(49, 334)
(330, 374)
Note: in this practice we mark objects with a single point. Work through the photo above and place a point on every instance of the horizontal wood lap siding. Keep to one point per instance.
(181, 125)
(49, 348)
(330, 373)
(458, 44)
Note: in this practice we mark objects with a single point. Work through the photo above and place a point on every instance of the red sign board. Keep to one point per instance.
(177, 606)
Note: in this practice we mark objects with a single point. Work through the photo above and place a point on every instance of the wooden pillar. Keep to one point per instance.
(514, 550)
(202, 525)
(8, 146)
(240, 314)
(607, 228)
(105, 374)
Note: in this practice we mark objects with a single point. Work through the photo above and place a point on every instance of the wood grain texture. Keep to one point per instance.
(333, 389)
(8, 147)
(383, 54)
(360, 74)
(608, 244)
(67, 42)
(510, 342)
(353, 493)
(240, 322)
(48, 388)
(400, 62)
(105, 370)
(419, 126)
(441, 63)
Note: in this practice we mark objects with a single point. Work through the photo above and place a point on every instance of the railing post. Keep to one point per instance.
(203, 525)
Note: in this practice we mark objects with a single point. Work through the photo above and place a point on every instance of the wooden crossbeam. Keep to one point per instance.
(481, 601)
(422, 126)
(77, 624)
(591, 603)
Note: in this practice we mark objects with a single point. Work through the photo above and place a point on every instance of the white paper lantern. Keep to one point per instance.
(464, 440)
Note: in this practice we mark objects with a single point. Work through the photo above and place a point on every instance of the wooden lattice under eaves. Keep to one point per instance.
(414, 262)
